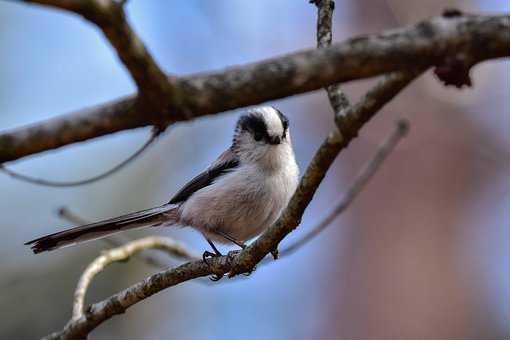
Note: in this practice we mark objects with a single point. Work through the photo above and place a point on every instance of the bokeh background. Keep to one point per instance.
(421, 254)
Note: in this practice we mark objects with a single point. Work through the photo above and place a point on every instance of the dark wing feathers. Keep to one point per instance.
(226, 162)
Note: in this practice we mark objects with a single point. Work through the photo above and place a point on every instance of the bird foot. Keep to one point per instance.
(205, 256)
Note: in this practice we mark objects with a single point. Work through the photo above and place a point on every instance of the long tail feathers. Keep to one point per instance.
(146, 218)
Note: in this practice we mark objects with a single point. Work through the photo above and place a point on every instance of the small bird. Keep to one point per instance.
(236, 198)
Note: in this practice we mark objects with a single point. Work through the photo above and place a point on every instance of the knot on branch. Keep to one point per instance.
(455, 71)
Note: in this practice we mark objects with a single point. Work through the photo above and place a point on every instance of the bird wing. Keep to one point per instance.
(226, 162)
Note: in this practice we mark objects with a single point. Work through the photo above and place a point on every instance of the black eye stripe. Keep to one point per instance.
(253, 123)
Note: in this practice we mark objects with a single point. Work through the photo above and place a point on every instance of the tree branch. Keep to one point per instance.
(337, 98)
(63, 184)
(355, 117)
(340, 105)
(361, 180)
(97, 313)
(458, 42)
(123, 253)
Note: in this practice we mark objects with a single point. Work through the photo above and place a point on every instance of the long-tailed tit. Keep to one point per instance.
(242, 193)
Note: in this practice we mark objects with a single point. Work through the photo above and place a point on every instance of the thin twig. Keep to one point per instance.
(361, 180)
(61, 184)
(338, 100)
(123, 253)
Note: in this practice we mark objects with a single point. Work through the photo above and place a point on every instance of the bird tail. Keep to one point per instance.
(166, 214)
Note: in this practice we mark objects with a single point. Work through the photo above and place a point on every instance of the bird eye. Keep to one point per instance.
(257, 136)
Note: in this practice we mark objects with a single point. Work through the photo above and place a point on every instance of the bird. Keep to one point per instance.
(236, 198)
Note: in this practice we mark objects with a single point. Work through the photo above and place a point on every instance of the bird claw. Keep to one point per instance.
(205, 256)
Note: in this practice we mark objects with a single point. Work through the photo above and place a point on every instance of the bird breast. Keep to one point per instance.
(242, 203)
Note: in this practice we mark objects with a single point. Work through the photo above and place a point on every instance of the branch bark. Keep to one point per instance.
(123, 253)
(337, 99)
(460, 40)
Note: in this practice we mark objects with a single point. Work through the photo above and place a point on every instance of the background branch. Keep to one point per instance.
(438, 41)
(61, 184)
(361, 180)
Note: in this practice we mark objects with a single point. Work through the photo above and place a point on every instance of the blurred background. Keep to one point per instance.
(421, 254)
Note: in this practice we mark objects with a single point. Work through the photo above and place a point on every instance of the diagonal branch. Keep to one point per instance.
(361, 180)
(455, 43)
(355, 118)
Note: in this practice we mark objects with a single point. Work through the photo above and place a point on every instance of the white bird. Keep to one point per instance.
(236, 198)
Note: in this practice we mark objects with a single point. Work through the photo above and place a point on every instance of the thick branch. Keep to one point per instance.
(466, 39)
